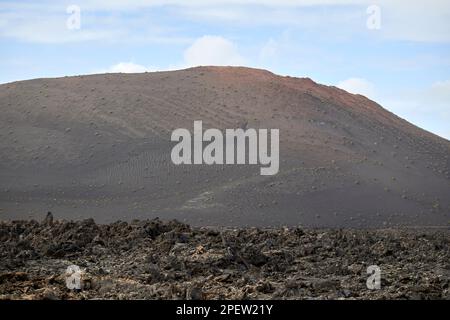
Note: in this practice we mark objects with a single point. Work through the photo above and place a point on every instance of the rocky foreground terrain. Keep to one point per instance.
(153, 259)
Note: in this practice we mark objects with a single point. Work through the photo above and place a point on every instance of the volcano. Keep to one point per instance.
(99, 146)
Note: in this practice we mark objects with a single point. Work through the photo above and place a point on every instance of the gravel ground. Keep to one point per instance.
(153, 259)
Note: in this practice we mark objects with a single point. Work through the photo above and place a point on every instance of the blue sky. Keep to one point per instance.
(395, 52)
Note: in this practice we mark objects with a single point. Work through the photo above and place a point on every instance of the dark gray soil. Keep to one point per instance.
(169, 260)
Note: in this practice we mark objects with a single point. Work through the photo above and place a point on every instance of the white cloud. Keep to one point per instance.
(422, 21)
(415, 20)
(212, 50)
(126, 67)
(44, 22)
(204, 51)
(47, 23)
(434, 99)
(358, 86)
(429, 107)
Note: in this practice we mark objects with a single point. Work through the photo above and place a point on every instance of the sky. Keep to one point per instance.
(394, 52)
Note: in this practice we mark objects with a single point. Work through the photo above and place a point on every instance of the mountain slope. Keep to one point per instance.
(99, 146)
